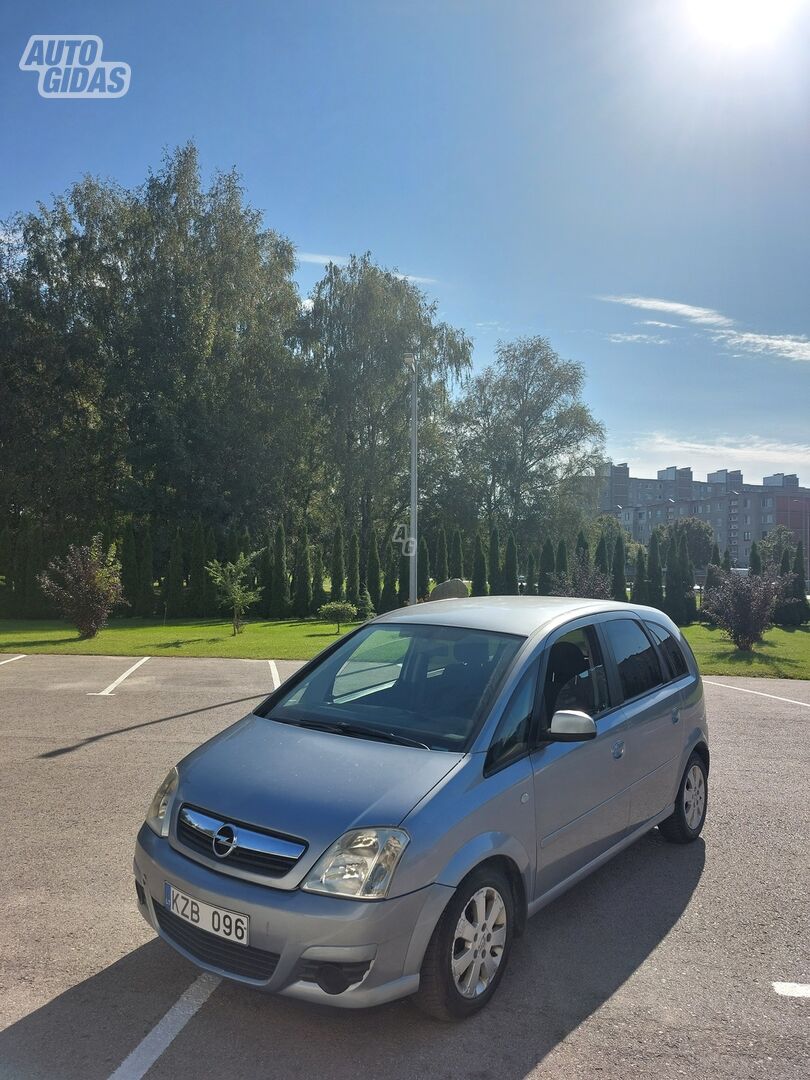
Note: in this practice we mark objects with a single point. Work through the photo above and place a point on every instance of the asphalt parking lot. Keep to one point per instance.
(662, 964)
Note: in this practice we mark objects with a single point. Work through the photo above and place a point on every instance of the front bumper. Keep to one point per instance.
(383, 942)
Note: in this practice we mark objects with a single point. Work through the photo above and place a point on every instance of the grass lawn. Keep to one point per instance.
(783, 654)
(291, 639)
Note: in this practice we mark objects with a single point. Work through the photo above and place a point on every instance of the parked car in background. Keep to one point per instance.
(388, 819)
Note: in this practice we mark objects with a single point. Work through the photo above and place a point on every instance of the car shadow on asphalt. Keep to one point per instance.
(574, 957)
(59, 751)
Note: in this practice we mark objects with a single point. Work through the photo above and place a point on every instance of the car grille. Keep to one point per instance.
(241, 960)
(256, 851)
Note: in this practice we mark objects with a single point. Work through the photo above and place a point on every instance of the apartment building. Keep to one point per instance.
(739, 513)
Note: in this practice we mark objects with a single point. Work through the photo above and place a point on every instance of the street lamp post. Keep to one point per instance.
(410, 360)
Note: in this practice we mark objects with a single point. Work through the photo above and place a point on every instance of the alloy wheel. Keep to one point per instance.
(478, 942)
(694, 797)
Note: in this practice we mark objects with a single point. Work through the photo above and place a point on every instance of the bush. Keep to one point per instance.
(337, 611)
(742, 607)
(582, 579)
(85, 585)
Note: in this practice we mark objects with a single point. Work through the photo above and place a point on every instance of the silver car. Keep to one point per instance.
(386, 821)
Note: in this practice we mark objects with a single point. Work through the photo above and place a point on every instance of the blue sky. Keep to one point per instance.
(622, 176)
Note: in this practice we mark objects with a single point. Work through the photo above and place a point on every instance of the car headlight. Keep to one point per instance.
(360, 864)
(158, 814)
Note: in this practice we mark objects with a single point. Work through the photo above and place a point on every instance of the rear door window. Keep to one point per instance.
(636, 659)
(672, 651)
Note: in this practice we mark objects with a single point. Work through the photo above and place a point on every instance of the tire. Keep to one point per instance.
(685, 824)
(448, 995)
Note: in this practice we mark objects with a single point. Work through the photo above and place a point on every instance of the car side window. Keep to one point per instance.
(511, 739)
(575, 675)
(636, 659)
(672, 651)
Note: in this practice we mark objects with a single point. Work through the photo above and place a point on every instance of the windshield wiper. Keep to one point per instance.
(342, 727)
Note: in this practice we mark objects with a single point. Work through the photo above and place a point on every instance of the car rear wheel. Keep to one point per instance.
(469, 950)
(686, 822)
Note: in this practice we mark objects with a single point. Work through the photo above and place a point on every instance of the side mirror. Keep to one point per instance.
(570, 726)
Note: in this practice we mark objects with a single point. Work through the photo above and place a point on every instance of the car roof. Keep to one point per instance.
(504, 614)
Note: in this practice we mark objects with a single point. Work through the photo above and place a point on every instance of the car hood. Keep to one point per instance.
(308, 784)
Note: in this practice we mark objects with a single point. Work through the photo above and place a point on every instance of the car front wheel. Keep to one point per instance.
(686, 822)
(469, 950)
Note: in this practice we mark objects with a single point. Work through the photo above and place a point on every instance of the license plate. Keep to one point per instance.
(230, 925)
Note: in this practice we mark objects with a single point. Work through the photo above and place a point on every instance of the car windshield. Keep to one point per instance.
(421, 685)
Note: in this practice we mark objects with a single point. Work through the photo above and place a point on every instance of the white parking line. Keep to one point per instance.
(11, 658)
(146, 1053)
(274, 674)
(759, 693)
(792, 989)
(107, 692)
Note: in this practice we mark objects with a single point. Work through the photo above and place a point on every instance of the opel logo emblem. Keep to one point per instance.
(224, 841)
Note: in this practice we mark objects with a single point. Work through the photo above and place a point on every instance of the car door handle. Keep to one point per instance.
(676, 715)
(618, 748)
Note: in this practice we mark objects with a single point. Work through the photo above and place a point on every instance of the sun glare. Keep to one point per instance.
(741, 24)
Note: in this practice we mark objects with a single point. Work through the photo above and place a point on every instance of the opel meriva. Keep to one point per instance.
(385, 822)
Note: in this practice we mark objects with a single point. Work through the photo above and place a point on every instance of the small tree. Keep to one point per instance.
(640, 592)
(531, 576)
(422, 571)
(673, 583)
(209, 588)
(509, 573)
(618, 577)
(479, 573)
(365, 609)
(754, 559)
(582, 549)
(655, 580)
(280, 592)
(373, 570)
(726, 560)
(338, 572)
(353, 571)
(404, 586)
(601, 560)
(545, 579)
(562, 557)
(456, 563)
(231, 581)
(337, 611)
(84, 585)
(742, 607)
(494, 561)
(173, 584)
(302, 604)
(265, 578)
(801, 609)
(319, 597)
(388, 598)
(130, 574)
(196, 571)
(442, 572)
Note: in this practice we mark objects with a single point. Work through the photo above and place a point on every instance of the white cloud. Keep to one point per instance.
(321, 260)
(788, 346)
(699, 315)
(723, 330)
(416, 279)
(756, 455)
(306, 303)
(655, 322)
(318, 259)
(638, 339)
